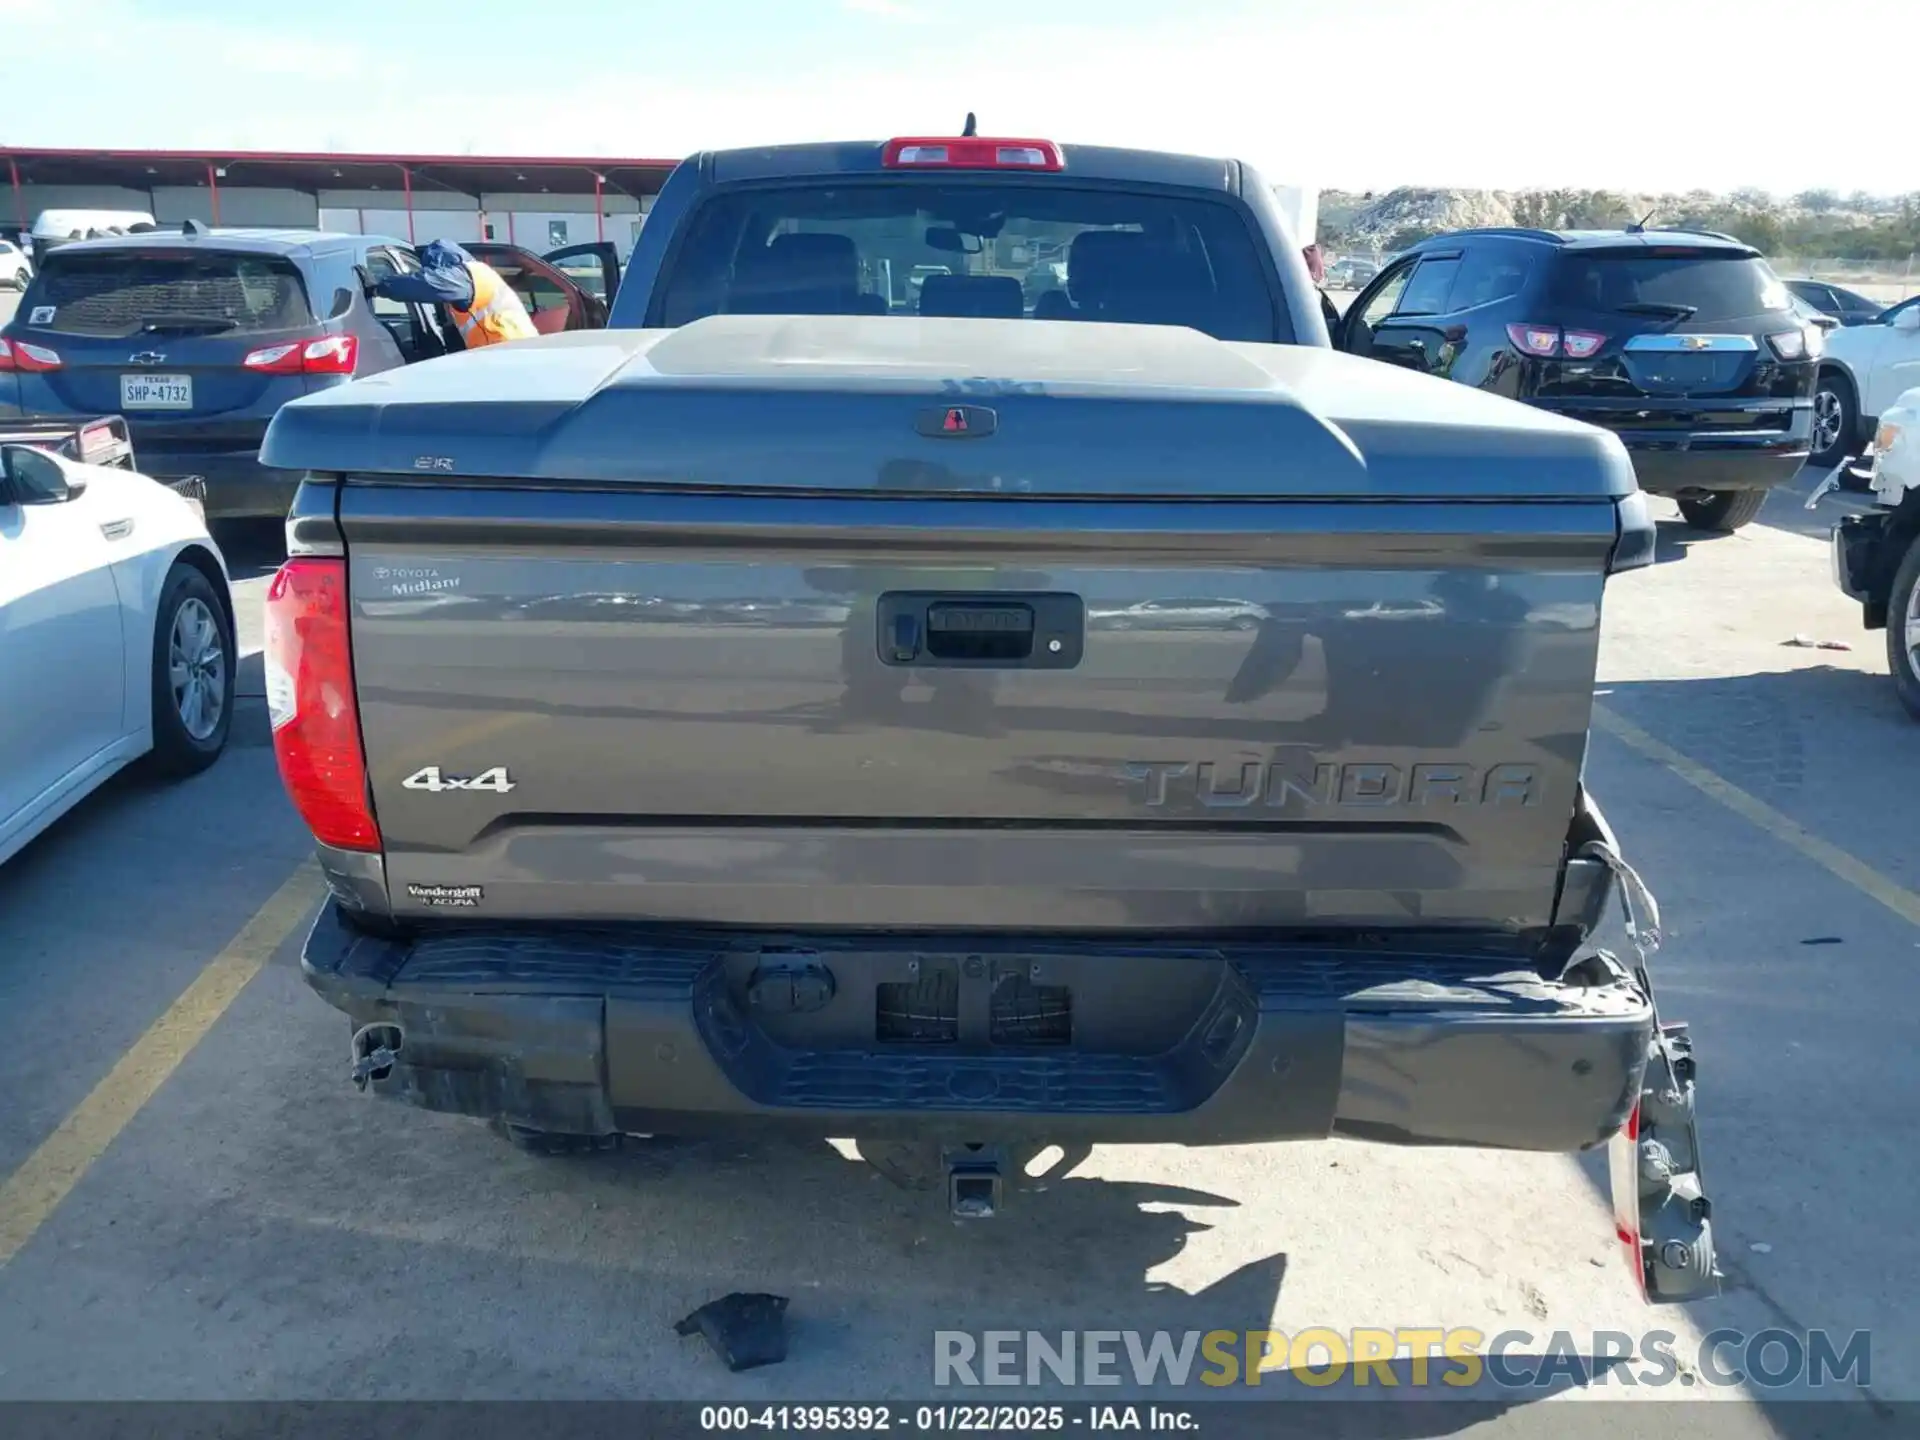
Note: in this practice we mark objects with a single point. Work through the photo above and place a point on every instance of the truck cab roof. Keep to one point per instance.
(868, 157)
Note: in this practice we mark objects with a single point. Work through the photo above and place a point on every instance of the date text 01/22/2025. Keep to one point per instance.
(938, 1419)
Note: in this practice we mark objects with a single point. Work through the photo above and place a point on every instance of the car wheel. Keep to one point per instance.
(192, 675)
(1836, 418)
(1723, 511)
(1903, 630)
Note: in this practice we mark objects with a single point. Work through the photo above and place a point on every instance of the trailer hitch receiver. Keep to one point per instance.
(974, 1184)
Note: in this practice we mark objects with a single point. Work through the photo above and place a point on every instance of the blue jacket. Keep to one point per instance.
(443, 278)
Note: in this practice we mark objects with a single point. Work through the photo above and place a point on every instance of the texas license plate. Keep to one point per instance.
(156, 392)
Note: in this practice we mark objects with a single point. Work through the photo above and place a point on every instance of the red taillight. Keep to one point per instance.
(971, 152)
(310, 702)
(327, 355)
(1548, 341)
(19, 355)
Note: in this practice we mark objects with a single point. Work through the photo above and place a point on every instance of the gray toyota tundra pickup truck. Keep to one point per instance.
(878, 689)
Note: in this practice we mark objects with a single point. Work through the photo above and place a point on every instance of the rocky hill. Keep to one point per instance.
(1815, 222)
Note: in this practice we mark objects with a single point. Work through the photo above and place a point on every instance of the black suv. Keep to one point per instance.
(1685, 345)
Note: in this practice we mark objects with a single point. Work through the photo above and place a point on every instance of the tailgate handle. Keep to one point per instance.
(992, 631)
(959, 630)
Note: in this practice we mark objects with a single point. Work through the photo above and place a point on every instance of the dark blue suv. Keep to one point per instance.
(199, 336)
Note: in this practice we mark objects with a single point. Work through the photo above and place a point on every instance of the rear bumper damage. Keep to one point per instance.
(608, 1031)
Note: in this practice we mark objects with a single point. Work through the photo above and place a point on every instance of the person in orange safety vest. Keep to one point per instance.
(482, 306)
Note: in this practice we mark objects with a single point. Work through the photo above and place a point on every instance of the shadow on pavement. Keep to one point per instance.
(1672, 539)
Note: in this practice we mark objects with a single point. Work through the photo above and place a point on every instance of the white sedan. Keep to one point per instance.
(116, 625)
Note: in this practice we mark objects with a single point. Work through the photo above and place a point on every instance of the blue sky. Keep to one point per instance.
(1654, 94)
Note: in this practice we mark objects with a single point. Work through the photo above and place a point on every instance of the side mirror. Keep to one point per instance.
(1908, 319)
(36, 478)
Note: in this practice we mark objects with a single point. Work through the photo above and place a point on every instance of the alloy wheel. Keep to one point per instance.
(197, 669)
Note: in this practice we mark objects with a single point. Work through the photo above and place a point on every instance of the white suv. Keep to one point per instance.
(1864, 371)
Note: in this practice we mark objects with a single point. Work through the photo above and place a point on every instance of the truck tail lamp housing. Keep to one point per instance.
(971, 152)
(311, 703)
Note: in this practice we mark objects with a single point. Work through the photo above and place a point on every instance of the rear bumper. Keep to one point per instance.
(1750, 466)
(1866, 553)
(1669, 460)
(1856, 546)
(238, 485)
(604, 1031)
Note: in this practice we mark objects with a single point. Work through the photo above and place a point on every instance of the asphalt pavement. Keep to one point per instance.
(197, 1204)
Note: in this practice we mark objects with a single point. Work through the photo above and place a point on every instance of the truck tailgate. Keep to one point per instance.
(1169, 648)
(1302, 713)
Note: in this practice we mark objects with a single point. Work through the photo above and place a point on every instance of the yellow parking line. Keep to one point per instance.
(33, 1192)
(1828, 856)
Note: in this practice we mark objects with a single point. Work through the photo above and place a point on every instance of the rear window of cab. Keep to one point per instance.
(117, 294)
(980, 249)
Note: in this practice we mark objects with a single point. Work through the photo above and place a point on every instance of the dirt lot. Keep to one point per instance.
(194, 1202)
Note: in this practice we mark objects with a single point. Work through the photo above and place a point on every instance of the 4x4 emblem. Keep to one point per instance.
(431, 780)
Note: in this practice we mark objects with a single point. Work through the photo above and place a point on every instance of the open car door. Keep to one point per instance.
(594, 267)
(555, 300)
